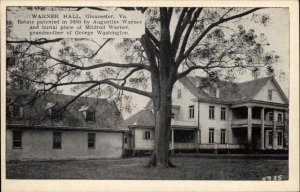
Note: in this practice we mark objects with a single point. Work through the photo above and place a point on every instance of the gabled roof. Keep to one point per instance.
(191, 83)
(142, 118)
(250, 88)
(229, 92)
(107, 115)
(282, 94)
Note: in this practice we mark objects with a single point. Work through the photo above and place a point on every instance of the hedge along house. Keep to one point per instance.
(88, 128)
(219, 116)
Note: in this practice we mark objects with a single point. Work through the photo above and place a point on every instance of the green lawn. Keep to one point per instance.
(190, 168)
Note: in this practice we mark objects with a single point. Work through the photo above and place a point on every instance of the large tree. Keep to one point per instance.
(176, 42)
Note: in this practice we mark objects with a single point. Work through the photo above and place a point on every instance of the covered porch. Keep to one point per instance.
(260, 126)
(183, 138)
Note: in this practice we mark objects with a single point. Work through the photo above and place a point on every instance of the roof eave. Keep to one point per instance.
(46, 127)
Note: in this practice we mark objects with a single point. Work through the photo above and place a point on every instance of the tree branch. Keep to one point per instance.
(130, 89)
(152, 37)
(129, 74)
(115, 85)
(150, 50)
(221, 20)
(37, 42)
(178, 26)
(177, 35)
(143, 9)
(188, 32)
(77, 96)
(170, 12)
(106, 64)
(105, 81)
(226, 13)
(186, 72)
(100, 48)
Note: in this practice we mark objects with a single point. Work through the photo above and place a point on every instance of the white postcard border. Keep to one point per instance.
(122, 185)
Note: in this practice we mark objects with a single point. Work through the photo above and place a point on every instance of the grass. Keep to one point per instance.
(188, 168)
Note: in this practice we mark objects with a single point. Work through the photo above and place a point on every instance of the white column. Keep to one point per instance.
(229, 130)
(249, 128)
(132, 139)
(133, 142)
(172, 139)
(262, 131)
(285, 129)
(198, 136)
(274, 146)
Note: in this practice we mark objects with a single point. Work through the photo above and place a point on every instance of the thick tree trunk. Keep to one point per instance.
(163, 78)
(162, 111)
(162, 102)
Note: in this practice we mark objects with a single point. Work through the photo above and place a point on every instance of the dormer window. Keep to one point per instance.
(211, 91)
(55, 114)
(270, 95)
(210, 87)
(14, 111)
(88, 113)
(54, 111)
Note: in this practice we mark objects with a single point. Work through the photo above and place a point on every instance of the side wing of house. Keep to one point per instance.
(89, 128)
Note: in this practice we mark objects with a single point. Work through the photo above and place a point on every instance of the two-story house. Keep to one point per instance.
(43, 130)
(218, 116)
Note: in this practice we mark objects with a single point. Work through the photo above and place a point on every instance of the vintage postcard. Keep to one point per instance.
(140, 96)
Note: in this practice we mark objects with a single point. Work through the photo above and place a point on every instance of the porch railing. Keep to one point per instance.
(183, 146)
(244, 121)
(221, 146)
(206, 146)
(236, 122)
(183, 123)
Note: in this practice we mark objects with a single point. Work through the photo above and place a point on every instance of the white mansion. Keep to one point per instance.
(218, 116)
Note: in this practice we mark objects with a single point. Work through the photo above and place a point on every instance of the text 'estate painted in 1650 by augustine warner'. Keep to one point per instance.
(54, 24)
